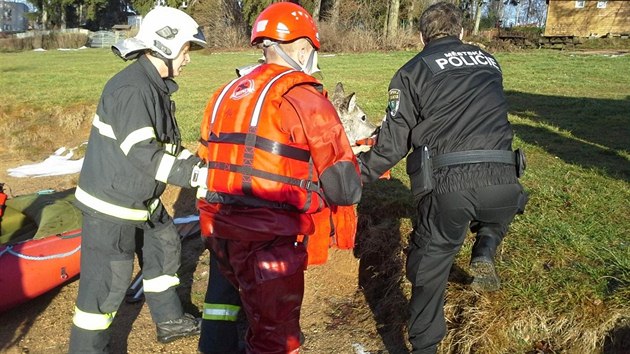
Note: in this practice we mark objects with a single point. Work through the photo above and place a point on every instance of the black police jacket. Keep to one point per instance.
(450, 98)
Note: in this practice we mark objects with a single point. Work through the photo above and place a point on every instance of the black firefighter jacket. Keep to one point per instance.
(449, 97)
(134, 146)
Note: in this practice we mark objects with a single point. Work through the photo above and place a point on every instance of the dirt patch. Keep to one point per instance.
(605, 52)
(335, 315)
(32, 132)
(355, 303)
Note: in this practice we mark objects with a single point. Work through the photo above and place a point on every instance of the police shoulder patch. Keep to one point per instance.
(393, 101)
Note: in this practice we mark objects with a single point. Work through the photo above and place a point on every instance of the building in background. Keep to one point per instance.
(13, 17)
(134, 20)
(588, 18)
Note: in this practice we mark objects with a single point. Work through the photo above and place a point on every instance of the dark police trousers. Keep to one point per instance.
(222, 306)
(107, 254)
(439, 233)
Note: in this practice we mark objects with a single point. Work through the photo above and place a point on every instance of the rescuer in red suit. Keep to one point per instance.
(276, 154)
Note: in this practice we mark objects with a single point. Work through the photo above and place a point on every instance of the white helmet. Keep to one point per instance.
(164, 31)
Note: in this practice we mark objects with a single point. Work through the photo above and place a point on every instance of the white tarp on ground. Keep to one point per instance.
(59, 163)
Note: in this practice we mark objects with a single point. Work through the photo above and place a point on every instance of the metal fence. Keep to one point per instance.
(102, 39)
(34, 33)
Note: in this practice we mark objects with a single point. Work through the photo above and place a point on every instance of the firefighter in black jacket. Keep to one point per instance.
(134, 150)
(447, 105)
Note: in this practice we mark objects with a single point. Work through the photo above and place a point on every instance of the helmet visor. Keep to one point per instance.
(129, 48)
(198, 39)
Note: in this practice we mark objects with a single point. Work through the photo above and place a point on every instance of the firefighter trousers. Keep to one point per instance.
(220, 319)
(107, 255)
(439, 232)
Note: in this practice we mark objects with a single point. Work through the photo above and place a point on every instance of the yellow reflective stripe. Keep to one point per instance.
(184, 154)
(165, 167)
(220, 312)
(109, 208)
(135, 137)
(154, 205)
(103, 129)
(159, 284)
(92, 321)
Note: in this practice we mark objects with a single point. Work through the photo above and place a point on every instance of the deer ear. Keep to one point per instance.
(352, 101)
(337, 96)
(339, 88)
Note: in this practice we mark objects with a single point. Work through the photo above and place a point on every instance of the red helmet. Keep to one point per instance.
(284, 22)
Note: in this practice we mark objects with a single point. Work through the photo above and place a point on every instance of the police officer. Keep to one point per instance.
(447, 105)
(134, 150)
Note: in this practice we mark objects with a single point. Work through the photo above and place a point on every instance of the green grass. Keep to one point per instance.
(565, 263)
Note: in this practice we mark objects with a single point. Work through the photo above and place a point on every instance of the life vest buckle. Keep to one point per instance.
(306, 184)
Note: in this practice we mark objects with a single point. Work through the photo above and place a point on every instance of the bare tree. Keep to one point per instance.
(317, 5)
(537, 12)
(496, 9)
(410, 14)
(477, 4)
(392, 18)
(222, 21)
(334, 13)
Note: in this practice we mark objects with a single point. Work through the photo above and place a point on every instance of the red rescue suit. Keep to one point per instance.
(276, 175)
(277, 155)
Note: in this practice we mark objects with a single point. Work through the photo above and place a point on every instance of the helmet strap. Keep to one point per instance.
(311, 65)
(168, 62)
(307, 68)
(169, 66)
(285, 56)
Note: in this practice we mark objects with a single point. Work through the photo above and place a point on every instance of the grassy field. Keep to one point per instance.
(565, 264)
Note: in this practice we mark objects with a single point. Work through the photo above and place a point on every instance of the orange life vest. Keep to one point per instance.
(251, 161)
(3, 199)
(245, 110)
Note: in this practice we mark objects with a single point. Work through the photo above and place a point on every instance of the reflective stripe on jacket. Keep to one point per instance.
(134, 146)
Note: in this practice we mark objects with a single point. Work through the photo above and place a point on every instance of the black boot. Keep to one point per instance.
(187, 325)
(482, 268)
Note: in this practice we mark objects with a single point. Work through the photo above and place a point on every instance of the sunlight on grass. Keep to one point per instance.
(565, 263)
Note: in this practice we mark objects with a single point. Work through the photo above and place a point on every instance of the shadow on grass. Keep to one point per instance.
(618, 340)
(601, 128)
(379, 247)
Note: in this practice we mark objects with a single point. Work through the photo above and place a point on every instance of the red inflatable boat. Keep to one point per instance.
(40, 245)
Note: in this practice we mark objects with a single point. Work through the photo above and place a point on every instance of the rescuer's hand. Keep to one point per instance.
(363, 145)
(199, 180)
(199, 176)
(360, 148)
(202, 191)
